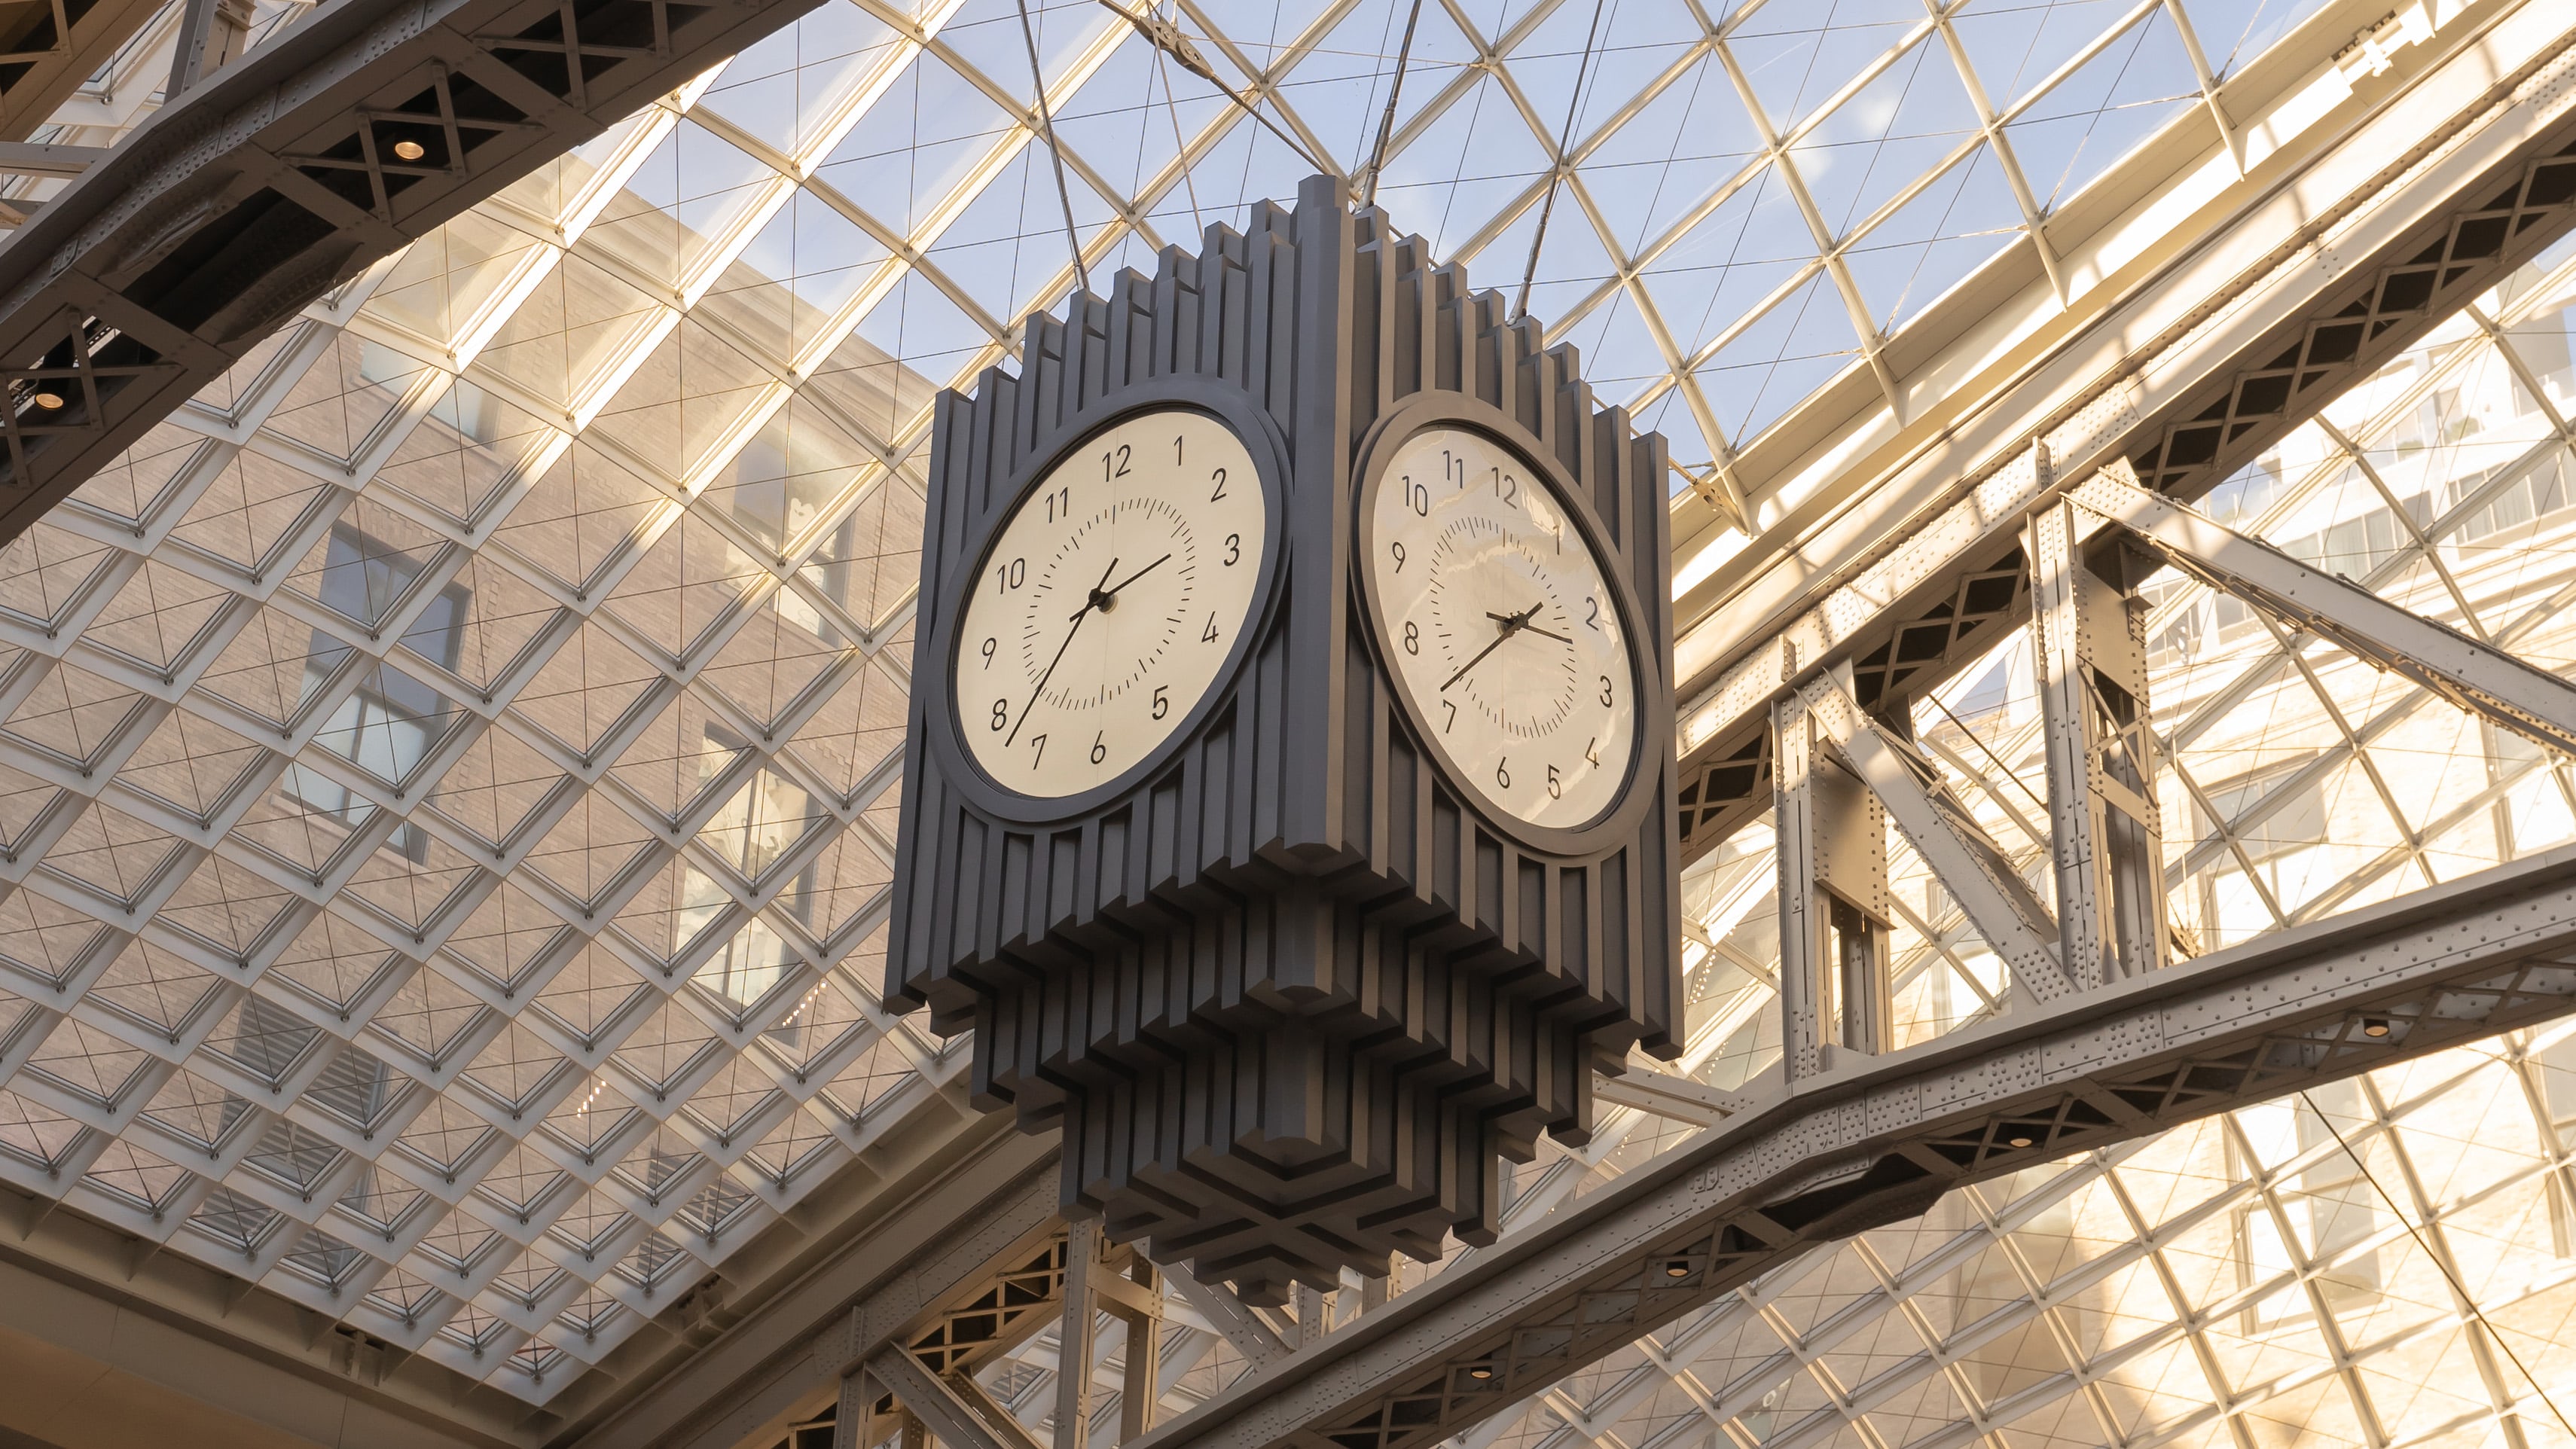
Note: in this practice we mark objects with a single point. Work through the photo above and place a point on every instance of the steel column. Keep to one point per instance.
(2090, 650)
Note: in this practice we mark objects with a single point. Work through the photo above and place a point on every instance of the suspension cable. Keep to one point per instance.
(1165, 36)
(2448, 1276)
(1556, 172)
(1386, 118)
(1046, 127)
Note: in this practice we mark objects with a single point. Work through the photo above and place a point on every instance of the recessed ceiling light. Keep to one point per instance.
(51, 402)
(410, 150)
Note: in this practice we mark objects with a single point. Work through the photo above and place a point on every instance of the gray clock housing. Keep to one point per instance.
(1288, 993)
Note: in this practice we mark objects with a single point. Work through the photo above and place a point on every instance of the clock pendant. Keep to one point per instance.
(1109, 602)
(1494, 615)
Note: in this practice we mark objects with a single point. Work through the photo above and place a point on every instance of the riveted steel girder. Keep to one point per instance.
(361, 129)
(1878, 1139)
(2322, 280)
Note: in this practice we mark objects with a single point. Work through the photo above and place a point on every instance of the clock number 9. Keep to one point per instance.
(1399, 556)
(1233, 549)
(1417, 497)
(1412, 637)
(1009, 576)
(988, 653)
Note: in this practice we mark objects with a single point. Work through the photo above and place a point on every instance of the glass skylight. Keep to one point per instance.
(448, 770)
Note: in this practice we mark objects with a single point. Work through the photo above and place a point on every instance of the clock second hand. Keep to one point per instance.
(1039, 688)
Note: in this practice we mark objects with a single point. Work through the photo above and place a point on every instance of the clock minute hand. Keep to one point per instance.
(1131, 578)
(1040, 687)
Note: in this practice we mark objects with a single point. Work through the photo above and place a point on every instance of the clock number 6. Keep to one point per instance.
(1503, 777)
(1162, 700)
(1100, 747)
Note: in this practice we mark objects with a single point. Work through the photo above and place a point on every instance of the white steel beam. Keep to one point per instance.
(2478, 677)
(1679, 1099)
(2218, 354)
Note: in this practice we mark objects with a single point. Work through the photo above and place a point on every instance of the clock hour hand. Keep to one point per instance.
(1040, 687)
(1104, 599)
(1512, 622)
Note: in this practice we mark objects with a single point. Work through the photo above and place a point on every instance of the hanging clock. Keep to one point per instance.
(1288, 795)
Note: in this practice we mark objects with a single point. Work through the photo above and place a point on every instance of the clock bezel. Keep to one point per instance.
(1262, 441)
(1421, 413)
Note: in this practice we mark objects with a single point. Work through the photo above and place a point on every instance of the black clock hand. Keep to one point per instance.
(1506, 619)
(1472, 663)
(1103, 599)
(1040, 687)
(1511, 624)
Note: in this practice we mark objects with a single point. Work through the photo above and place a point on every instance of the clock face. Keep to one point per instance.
(1108, 602)
(1495, 615)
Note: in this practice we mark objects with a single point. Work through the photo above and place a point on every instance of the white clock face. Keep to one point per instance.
(1501, 629)
(1108, 602)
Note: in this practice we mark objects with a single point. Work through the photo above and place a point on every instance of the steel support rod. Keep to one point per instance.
(1967, 862)
(950, 1420)
(2484, 680)
(1073, 1352)
(1225, 1313)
